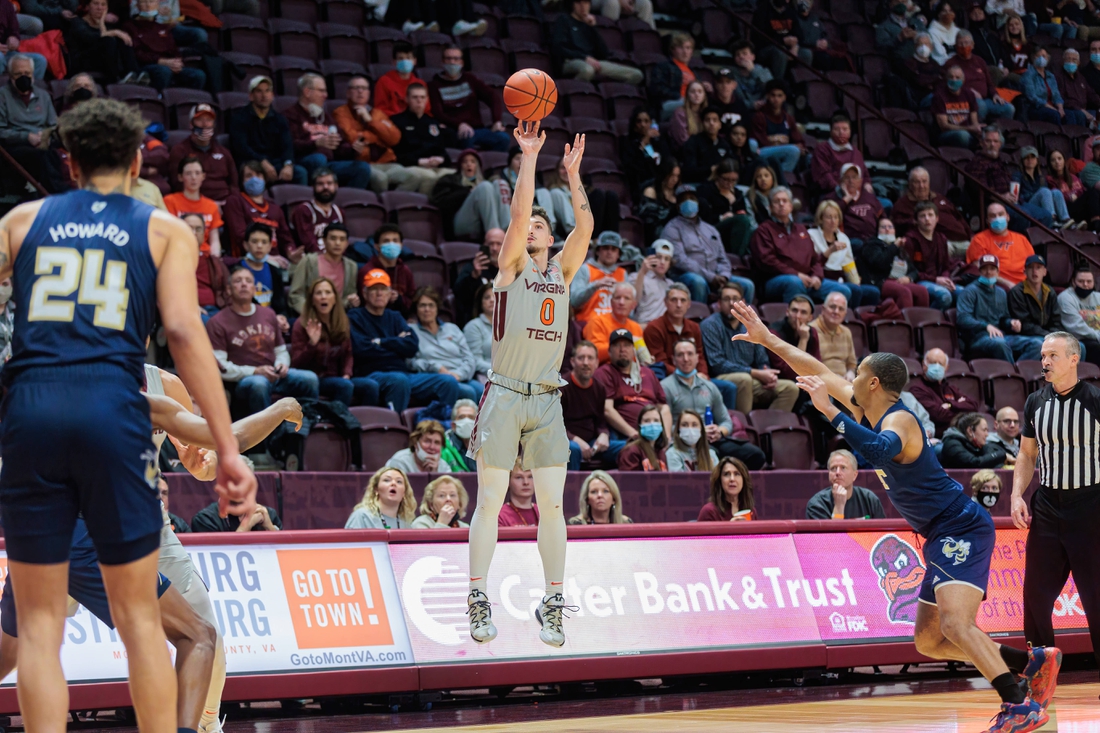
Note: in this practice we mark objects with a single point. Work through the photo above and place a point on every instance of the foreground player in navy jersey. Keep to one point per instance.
(959, 535)
(90, 268)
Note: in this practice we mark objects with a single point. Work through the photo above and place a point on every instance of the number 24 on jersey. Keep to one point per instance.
(63, 271)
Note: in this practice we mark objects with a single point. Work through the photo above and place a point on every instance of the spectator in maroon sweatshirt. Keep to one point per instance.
(317, 141)
(927, 248)
(455, 95)
(309, 219)
(943, 402)
(217, 161)
(157, 52)
(775, 129)
(861, 208)
(834, 153)
(784, 254)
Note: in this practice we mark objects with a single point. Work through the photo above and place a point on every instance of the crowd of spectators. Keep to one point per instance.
(725, 194)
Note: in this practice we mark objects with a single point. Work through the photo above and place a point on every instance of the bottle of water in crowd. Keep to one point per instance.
(708, 416)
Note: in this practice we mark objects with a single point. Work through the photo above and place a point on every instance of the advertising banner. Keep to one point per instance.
(279, 609)
(887, 569)
(631, 596)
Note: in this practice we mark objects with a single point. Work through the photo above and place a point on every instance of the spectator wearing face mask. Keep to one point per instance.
(896, 36)
(253, 206)
(920, 73)
(424, 454)
(978, 80)
(463, 416)
(700, 260)
(985, 488)
(943, 402)
(689, 451)
(1010, 249)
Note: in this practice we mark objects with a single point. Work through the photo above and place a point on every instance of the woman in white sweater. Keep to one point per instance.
(479, 329)
(444, 504)
(944, 32)
(443, 348)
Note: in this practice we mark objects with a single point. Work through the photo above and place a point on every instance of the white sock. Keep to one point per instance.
(549, 490)
(491, 490)
(214, 694)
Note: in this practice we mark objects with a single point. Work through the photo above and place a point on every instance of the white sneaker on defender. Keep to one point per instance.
(549, 614)
(481, 617)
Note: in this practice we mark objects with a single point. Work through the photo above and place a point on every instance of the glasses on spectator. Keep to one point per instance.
(1010, 421)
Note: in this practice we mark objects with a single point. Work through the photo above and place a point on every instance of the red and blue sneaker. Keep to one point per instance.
(1026, 716)
(1041, 673)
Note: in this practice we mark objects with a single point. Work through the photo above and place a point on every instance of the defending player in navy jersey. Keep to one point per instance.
(959, 535)
(521, 406)
(90, 269)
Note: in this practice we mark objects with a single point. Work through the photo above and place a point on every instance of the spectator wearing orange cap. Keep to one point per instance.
(217, 162)
(388, 245)
(381, 344)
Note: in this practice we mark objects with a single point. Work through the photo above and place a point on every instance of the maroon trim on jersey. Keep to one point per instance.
(477, 418)
(499, 313)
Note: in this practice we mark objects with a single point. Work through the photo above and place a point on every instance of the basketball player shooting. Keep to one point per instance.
(959, 535)
(521, 406)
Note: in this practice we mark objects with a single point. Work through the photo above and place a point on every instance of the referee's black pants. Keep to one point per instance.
(1064, 537)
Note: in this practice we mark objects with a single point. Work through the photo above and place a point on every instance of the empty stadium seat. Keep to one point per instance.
(289, 195)
(789, 447)
(379, 441)
(347, 12)
(394, 200)
(363, 221)
(367, 415)
(429, 271)
(420, 221)
(895, 337)
(343, 42)
(325, 449)
(245, 34)
(764, 419)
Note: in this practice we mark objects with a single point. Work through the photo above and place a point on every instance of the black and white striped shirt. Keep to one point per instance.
(1067, 430)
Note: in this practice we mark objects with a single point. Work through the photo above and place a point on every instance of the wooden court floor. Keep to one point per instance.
(1075, 709)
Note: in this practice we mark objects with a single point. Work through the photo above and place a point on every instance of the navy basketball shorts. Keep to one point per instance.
(85, 584)
(958, 549)
(78, 440)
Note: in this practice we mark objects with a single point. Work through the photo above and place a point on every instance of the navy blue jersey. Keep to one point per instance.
(85, 284)
(920, 490)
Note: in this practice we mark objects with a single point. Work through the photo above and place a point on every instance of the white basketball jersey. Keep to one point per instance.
(530, 316)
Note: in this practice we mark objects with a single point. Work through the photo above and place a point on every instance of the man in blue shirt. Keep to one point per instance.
(381, 344)
(986, 328)
(742, 363)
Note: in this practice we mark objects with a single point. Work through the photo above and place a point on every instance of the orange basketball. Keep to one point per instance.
(530, 95)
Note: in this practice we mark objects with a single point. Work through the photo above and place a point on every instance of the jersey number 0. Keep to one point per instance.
(546, 312)
(105, 288)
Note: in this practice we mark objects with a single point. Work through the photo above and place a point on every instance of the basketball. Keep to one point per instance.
(530, 95)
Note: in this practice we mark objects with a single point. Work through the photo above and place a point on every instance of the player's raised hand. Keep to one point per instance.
(755, 330)
(236, 487)
(815, 387)
(528, 137)
(573, 155)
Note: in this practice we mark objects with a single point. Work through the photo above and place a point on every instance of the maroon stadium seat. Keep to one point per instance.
(523, 28)
(367, 415)
(420, 248)
(347, 12)
(228, 101)
(914, 366)
(409, 417)
(343, 42)
(789, 447)
(420, 222)
(245, 34)
(429, 271)
(304, 11)
(381, 40)
(355, 197)
(895, 337)
(295, 38)
(178, 103)
(379, 441)
(488, 60)
(250, 65)
(288, 69)
(290, 195)
(363, 221)
(1032, 372)
(772, 312)
(325, 450)
(765, 419)
(393, 200)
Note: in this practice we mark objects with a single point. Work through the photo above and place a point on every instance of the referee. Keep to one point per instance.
(1061, 434)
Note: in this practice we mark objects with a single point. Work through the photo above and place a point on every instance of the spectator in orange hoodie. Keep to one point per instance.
(370, 131)
(389, 93)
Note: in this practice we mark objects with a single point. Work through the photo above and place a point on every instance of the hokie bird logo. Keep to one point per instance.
(900, 574)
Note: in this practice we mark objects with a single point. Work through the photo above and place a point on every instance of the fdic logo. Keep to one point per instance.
(842, 623)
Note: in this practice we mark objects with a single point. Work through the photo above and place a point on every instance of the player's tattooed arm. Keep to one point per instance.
(584, 198)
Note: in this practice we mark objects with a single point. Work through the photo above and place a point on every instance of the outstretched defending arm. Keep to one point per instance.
(177, 297)
(801, 362)
(575, 251)
(188, 428)
(513, 252)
